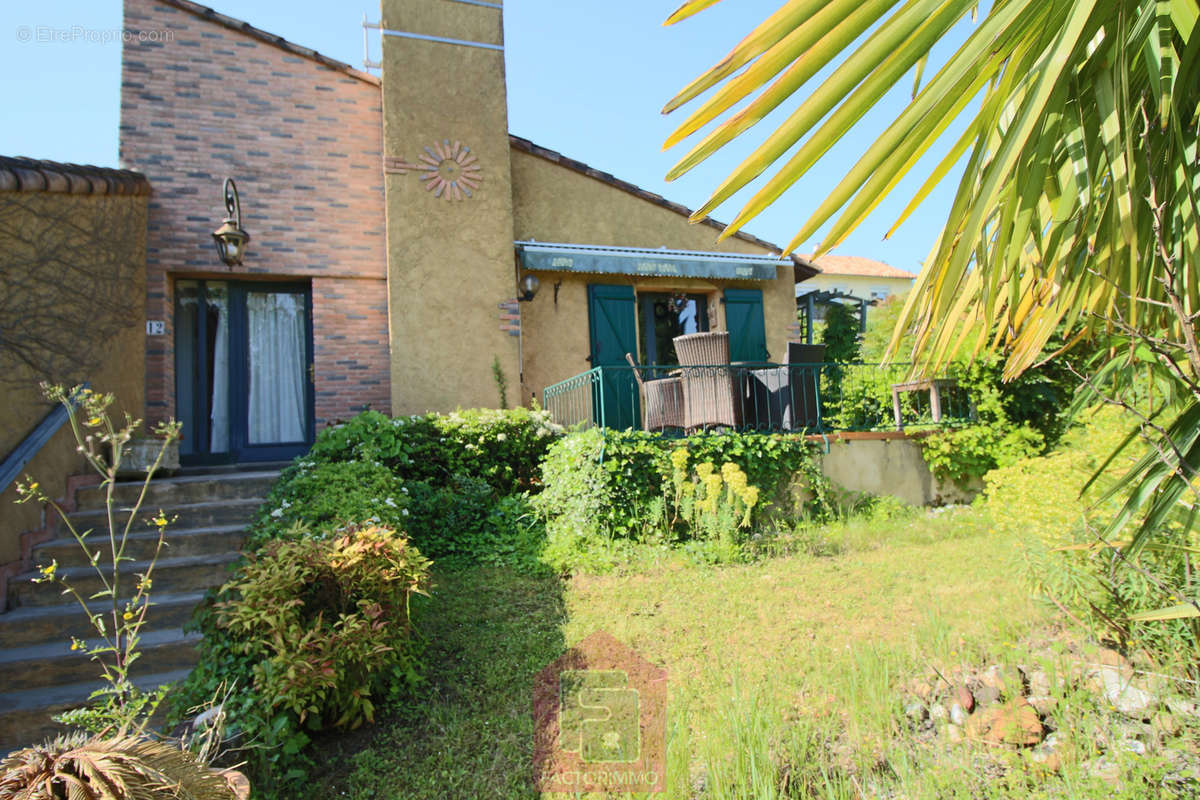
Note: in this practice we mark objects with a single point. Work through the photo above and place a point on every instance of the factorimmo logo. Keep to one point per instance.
(599, 721)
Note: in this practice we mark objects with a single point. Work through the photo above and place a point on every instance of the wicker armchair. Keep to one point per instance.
(662, 400)
(709, 393)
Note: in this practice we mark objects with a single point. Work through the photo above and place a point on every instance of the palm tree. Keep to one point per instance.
(1078, 206)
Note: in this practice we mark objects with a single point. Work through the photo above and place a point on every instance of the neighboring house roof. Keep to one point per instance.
(238, 25)
(32, 175)
(857, 265)
(803, 269)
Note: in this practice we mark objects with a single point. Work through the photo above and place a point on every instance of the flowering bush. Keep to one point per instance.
(605, 487)
(710, 505)
(326, 496)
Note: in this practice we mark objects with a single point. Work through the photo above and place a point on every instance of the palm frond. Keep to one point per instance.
(121, 768)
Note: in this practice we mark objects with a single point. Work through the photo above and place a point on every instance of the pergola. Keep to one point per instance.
(807, 303)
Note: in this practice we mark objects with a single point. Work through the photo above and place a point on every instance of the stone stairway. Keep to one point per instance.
(41, 674)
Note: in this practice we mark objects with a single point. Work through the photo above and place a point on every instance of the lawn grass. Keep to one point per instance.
(768, 642)
(783, 673)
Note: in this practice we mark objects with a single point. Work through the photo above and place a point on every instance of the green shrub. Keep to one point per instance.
(965, 455)
(1041, 502)
(310, 632)
(464, 522)
(322, 497)
(460, 520)
(605, 487)
(841, 334)
(502, 447)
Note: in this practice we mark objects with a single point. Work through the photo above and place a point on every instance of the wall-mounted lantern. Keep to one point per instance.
(529, 286)
(230, 238)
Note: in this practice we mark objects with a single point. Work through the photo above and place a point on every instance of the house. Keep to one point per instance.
(863, 278)
(851, 280)
(396, 229)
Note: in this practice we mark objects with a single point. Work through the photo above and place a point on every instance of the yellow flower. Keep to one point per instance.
(93, 422)
(704, 470)
(128, 615)
(679, 458)
(74, 645)
(729, 469)
(750, 495)
(50, 570)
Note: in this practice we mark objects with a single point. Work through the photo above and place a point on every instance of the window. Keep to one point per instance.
(665, 316)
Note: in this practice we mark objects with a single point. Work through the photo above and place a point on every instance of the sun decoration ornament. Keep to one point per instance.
(449, 170)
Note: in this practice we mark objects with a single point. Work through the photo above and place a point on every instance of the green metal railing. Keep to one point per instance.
(814, 398)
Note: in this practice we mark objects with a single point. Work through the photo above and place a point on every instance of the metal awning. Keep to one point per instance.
(546, 256)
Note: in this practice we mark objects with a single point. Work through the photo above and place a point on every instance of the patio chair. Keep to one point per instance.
(709, 391)
(662, 400)
(804, 365)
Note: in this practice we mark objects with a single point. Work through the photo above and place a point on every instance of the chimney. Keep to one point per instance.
(449, 203)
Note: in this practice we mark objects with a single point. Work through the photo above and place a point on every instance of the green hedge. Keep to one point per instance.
(502, 447)
(617, 485)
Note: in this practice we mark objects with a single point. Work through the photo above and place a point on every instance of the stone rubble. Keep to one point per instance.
(1012, 707)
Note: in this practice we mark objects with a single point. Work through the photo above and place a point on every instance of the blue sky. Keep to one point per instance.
(585, 78)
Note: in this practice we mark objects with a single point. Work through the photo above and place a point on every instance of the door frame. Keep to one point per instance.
(240, 449)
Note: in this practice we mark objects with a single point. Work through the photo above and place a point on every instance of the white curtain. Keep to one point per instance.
(219, 419)
(277, 335)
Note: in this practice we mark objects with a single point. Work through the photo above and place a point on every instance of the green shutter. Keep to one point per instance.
(612, 321)
(747, 327)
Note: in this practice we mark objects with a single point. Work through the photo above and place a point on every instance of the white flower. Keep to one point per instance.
(404, 512)
(389, 502)
(285, 504)
(404, 489)
(500, 437)
(277, 513)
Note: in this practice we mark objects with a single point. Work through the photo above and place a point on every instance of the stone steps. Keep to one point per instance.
(183, 574)
(141, 546)
(205, 514)
(25, 716)
(42, 676)
(33, 625)
(181, 491)
(50, 664)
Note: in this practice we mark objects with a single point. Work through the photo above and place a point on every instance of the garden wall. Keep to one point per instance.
(887, 463)
(72, 308)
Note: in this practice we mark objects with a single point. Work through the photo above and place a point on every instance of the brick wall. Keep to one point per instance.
(303, 139)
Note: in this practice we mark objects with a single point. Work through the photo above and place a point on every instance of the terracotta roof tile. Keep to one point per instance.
(802, 267)
(856, 265)
(32, 175)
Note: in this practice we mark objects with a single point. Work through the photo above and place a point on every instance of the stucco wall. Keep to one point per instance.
(888, 466)
(857, 285)
(116, 225)
(552, 203)
(450, 257)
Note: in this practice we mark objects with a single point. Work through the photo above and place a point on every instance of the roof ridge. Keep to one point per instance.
(19, 174)
(844, 264)
(204, 12)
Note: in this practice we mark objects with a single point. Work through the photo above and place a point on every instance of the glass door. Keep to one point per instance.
(243, 370)
(277, 391)
(665, 316)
